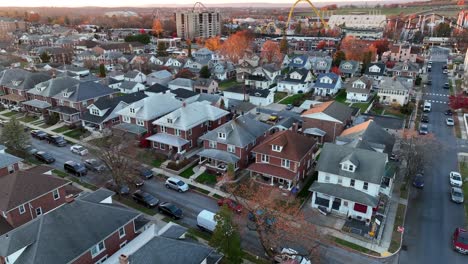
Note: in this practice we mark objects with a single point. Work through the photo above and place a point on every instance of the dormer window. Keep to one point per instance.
(94, 111)
(276, 148)
(405, 68)
(222, 135)
(348, 167)
(65, 94)
(132, 110)
(169, 121)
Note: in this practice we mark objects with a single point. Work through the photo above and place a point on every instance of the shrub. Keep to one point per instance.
(177, 166)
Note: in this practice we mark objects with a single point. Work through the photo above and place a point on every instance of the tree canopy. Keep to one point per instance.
(14, 136)
(142, 38)
(226, 238)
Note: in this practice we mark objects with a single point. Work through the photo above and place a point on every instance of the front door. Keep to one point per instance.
(336, 204)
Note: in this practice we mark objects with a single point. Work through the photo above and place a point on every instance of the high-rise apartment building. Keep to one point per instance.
(196, 23)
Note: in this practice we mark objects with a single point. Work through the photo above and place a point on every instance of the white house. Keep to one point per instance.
(394, 91)
(128, 87)
(327, 84)
(358, 89)
(135, 76)
(162, 77)
(259, 97)
(349, 180)
(297, 81)
(376, 71)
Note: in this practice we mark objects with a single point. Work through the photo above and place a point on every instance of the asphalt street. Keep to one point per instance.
(432, 217)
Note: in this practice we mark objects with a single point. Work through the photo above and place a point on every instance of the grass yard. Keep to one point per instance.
(45, 125)
(341, 96)
(76, 133)
(206, 178)
(362, 106)
(227, 84)
(354, 246)
(28, 119)
(10, 114)
(279, 96)
(199, 189)
(60, 173)
(132, 204)
(396, 236)
(61, 129)
(294, 99)
(188, 172)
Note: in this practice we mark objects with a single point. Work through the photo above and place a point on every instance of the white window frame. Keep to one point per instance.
(365, 186)
(163, 129)
(169, 120)
(212, 144)
(162, 146)
(177, 132)
(56, 193)
(352, 183)
(140, 122)
(231, 148)
(122, 232)
(265, 158)
(190, 132)
(340, 180)
(222, 135)
(126, 119)
(98, 249)
(285, 163)
(22, 209)
(11, 168)
(95, 111)
(40, 211)
(276, 148)
(132, 110)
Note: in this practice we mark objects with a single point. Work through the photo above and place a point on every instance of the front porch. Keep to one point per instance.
(274, 176)
(66, 114)
(36, 106)
(131, 129)
(169, 143)
(218, 160)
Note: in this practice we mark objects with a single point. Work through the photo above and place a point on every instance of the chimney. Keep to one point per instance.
(69, 198)
(184, 104)
(123, 259)
(295, 127)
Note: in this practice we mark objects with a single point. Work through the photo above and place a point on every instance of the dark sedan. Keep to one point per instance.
(44, 157)
(58, 141)
(144, 198)
(418, 181)
(94, 165)
(145, 172)
(170, 210)
(39, 134)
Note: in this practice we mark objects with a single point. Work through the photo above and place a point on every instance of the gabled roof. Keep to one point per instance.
(84, 91)
(333, 109)
(294, 146)
(152, 107)
(353, 69)
(239, 132)
(20, 79)
(23, 186)
(371, 132)
(386, 122)
(333, 76)
(346, 193)
(399, 66)
(203, 82)
(191, 115)
(161, 74)
(381, 65)
(251, 91)
(392, 83)
(132, 74)
(367, 82)
(184, 82)
(371, 166)
(181, 93)
(7, 159)
(128, 85)
(157, 88)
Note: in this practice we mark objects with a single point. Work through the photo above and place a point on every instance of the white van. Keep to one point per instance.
(206, 220)
(427, 106)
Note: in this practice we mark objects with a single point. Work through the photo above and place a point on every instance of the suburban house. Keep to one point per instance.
(259, 97)
(74, 100)
(223, 70)
(297, 81)
(327, 84)
(231, 143)
(174, 64)
(8, 163)
(86, 230)
(284, 158)
(349, 68)
(358, 89)
(102, 114)
(349, 181)
(161, 77)
(300, 62)
(330, 117)
(182, 83)
(137, 118)
(15, 82)
(79, 71)
(246, 66)
(376, 71)
(135, 76)
(403, 53)
(263, 77)
(202, 54)
(393, 91)
(202, 85)
(128, 87)
(405, 69)
(25, 195)
(178, 131)
(320, 64)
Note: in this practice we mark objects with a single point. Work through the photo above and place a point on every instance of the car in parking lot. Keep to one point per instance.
(56, 140)
(39, 134)
(449, 121)
(94, 165)
(455, 179)
(44, 157)
(423, 129)
(176, 184)
(80, 150)
(145, 198)
(460, 240)
(170, 210)
(231, 204)
(425, 118)
(456, 194)
(75, 168)
(145, 172)
(418, 181)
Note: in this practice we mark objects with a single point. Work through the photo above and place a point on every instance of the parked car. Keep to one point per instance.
(206, 221)
(44, 157)
(56, 140)
(418, 181)
(145, 198)
(446, 86)
(233, 205)
(457, 195)
(425, 118)
(449, 121)
(145, 172)
(423, 129)
(460, 240)
(39, 134)
(448, 112)
(75, 168)
(289, 107)
(122, 189)
(170, 210)
(94, 165)
(137, 181)
(455, 179)
(394, 157)
(176, 184)
(80, 150)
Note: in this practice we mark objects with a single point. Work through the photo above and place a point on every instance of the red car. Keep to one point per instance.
(231, 204)
(460, 240)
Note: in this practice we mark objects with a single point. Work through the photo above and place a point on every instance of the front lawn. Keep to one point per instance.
(341, 96)
(354, 246)
(227, 84)
(76, 133)
(206, 178)
(10, 114)
(61, 129)
(396, 236)
(188, 172)
(362, 106)
(28, 119)
(296, 99)
(279, 96)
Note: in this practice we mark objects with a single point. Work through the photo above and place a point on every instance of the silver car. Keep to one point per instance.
(457, 195)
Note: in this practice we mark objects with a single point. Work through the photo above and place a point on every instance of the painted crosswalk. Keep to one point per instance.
(436, 94)
(437, 102)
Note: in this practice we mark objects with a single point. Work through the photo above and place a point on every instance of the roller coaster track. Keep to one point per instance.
(313, 8)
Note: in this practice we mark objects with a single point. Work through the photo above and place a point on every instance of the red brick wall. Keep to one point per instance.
(329, 127)
(112, 244)
(4, 171)
(148, 124)
(46, 202)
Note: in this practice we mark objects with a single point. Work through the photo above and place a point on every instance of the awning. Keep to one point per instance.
(64, 110)
(314, 131)
(219, 155)
(37, 104)
(130, 128)
(168, 139)
(13, 97)
(270, 170)
(346, 193)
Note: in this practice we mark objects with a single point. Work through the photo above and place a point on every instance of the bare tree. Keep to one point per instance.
(416, 150)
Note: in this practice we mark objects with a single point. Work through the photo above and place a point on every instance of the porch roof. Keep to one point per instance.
(219, 155)
(271, 170)
(346, 193)
(13, 97)
(168, 139)
(37, 103)
(64, 110)
(130, 128)
(315, 131)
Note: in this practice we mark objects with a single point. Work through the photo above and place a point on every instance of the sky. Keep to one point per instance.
(136, 3)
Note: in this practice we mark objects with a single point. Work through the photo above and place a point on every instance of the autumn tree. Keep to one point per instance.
(45, 57)
(338, 57)
(284, 45)
(185, 73)
(14, 137)
(157, 28)
(271, 52)
(213, 43)
(236, 45)
(161, 49)
(226, 238)
(458, 101)
(416, 150)
(205, 72)
(381, 45)
(321, 44)
(335, 70)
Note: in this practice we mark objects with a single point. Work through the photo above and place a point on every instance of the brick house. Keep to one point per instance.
(231, 143)
(25, 195)
(137, 118)
(8, 163)
(178, 131)
(285, 158)
(331, 117)
(405, 69)
(202, 85)
(86, 230)
(15, 82)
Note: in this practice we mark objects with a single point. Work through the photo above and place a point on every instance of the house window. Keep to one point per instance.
(126, 119)
(177, 132)
(366, 186)
(94, 111)
(97, 249)
(340, 180)
(265, 158)
(101, 260)
(60, 102)
(351, 167)
(222, 135)
(123, 244)
(285, 163)
(132, 110)
(56, 194)
(276, 148)
(140, 122)
(11, 169)
(22, 209)
(190, 132)
(327, 178)
(212, 144)
(169, 120)
(121, 232)
(162, 146)
(231, 148)
(351, 183)
(38, 211)
(163, 129)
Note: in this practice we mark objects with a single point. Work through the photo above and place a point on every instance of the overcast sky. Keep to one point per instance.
(136, 3)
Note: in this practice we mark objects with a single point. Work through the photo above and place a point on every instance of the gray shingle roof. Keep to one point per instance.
(20, 79)
(97, 196)
(353, 69)
(382, 67)
(391, 83)
(374, 134)
(128, 85)
(371, 166)
(339, 111)
(152, 106)
(346, 193)
(8, 159)
(333, 76)
(53, 86)
(84, 91)
(184, 82)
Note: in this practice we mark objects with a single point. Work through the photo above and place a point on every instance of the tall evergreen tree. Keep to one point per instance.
(205, 72)
(13, 136)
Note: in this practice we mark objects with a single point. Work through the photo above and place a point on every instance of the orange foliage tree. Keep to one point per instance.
(213, 43)
(271, 52)
(235, 46)
(357, 49)
(157, 28)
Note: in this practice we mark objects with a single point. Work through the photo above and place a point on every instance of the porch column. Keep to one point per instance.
(330, 203)
(178, 149)
(272, 181)
(289, 185)
(312, 203)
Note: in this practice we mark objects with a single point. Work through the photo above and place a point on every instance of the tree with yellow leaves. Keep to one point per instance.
(157, 28)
